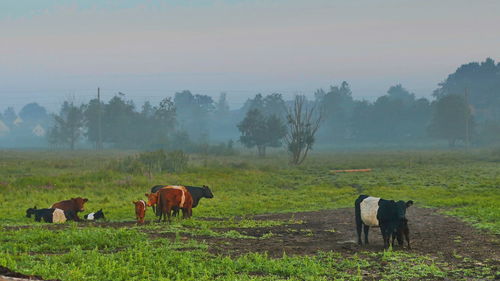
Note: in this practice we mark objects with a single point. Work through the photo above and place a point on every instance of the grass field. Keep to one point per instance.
(464, 185)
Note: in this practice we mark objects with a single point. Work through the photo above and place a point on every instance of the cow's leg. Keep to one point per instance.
(359, 223)
(168, 214)
(38, 218)
(366, 229)
(399, 237)
(406, 232)
(385, 236)
(359, 227)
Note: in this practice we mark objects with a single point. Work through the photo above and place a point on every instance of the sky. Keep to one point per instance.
(55, 50)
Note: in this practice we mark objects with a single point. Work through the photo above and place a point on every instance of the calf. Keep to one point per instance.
(95, 216)
(196, 193)
(389, 215)
(50, 215)
(140, 210)
(73, 204)
(168, 198)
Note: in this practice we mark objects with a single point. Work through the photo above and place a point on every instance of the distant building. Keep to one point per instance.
(39, 131)
(18, 121)
(4, 129)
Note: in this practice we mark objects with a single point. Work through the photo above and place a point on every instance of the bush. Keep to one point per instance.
(153, 162)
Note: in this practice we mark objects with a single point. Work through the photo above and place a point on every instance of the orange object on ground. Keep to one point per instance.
(351, 171)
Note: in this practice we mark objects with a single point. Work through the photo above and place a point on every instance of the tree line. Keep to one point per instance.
(464, 110)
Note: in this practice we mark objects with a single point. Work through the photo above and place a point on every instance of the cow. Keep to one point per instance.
(166, 199)
(140, 210)
(50, 215)
(402, 231)
(196, 193)
(95, 216)
(389, 215)
(73, 204)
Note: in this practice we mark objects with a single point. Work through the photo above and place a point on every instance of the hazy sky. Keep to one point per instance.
(51, 50)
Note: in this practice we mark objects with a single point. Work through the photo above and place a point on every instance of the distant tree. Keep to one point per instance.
(164, 115)
(193, 113)
(449, 119)
(482, 82)
(303, 123)
(256, 103)
(147, 110)
(398, 92)
(33, 112)
(337, 106)
(119, 122)
(274, 104)
(222, 107)
(68, 125)
(260, 131)
(91, 115)
(9, 116)
(361, 122)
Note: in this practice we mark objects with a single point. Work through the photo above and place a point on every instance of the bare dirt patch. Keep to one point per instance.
(9, 275)
(431, 233)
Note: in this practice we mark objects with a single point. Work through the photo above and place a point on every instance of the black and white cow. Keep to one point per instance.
(51, 215)
(95, 216)
(389, 215)
(196, 193)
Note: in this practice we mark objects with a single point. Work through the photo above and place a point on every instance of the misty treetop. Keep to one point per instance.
(465, 109)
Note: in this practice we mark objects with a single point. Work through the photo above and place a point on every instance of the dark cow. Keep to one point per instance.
(389, 215)
(166, 199)
(402, 231)
(196, 193)
(50, 215)
(73, 204)
(95, 216)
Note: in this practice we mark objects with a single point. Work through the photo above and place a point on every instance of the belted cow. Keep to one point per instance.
(389, 215)
(73, 204)
(196, 193)
(166, 199)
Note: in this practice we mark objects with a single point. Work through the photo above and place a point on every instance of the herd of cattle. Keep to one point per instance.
(168, 200)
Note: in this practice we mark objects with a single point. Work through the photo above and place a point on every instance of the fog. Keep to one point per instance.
(376, 72)
(463, 111)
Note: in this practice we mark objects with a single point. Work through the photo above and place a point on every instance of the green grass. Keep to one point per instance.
(465, 185)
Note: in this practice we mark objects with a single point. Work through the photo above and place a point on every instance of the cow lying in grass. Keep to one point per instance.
(50, 215)
(95, 216)
(388, 214)
(166, 199)
(196, 193)
(73, 204)
(140, 210)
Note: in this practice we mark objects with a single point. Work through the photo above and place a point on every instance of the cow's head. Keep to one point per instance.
(30, 211)
(401, 207)
(99, 215)
(152, 198)
(79, 201)
(207, 193)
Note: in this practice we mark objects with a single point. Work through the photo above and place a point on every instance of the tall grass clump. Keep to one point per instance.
(152, 162)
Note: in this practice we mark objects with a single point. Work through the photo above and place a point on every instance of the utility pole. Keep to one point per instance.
(99, 132)
(467, 133)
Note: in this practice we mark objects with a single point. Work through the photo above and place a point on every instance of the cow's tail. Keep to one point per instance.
(58, 216)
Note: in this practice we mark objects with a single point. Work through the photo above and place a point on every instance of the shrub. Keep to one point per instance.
(153, 162)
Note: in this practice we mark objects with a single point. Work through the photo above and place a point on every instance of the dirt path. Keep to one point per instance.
(431, 233)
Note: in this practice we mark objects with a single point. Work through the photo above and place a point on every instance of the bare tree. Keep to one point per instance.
(303, 124)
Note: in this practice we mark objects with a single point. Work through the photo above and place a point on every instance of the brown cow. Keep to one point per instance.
(140, 210)
(73, 204)
(168, 198)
